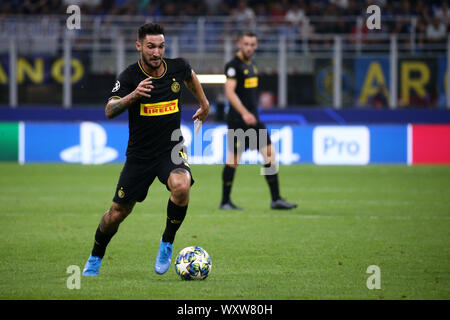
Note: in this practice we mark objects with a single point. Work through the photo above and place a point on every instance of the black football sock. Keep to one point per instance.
(101, 242)
(227, 182)
(272, 181)
(175, 217)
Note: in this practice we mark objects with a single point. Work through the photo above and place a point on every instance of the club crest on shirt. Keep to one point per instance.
(175, 87)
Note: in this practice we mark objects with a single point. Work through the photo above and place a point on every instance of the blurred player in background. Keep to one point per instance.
(241, 90)
(150, 91)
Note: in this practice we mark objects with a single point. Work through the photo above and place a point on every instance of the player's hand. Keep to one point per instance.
(249, 119)
(143, 89)
(200, 116)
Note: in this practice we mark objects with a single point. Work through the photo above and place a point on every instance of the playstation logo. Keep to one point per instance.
(92, 148)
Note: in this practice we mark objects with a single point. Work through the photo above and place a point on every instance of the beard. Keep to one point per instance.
(152, 63)
(247, 55)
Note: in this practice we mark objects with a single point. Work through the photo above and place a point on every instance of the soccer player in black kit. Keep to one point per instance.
(241, 90)
(150, 91)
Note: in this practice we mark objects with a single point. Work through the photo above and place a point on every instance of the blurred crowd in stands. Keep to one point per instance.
(431, 24)
(420, 25)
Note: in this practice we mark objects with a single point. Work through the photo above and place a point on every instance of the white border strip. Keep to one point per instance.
(409, 144)
(21, 142)
(212, 78)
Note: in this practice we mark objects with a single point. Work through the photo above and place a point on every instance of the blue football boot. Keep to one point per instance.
(92, 266)
(162, 262)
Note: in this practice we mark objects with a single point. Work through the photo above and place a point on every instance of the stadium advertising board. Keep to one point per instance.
(431, 144)
(341, 145)
(41, 69)
(103, 142)
(371, 75)
(324, 81)
(9, 141)
(442, 81)
(421, 82)
(85, 142)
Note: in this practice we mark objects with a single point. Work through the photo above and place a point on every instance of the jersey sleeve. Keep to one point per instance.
(187, 69)
(122, 87)
(230, 70)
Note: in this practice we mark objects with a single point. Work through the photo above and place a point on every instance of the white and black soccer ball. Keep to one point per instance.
(193, 263)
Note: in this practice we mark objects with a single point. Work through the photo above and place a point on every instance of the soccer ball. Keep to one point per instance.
(193, 263)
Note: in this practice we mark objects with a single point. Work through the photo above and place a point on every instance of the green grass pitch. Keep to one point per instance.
(395, 217)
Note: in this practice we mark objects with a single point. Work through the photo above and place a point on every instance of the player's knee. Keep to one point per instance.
(180, 186)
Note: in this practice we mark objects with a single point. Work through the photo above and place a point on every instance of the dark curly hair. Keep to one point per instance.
(149, 28)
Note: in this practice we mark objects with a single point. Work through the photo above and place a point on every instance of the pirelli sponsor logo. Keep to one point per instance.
(159, 108)
(251, 82)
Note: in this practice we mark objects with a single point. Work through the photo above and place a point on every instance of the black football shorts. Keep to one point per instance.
(137, 176)
(243, 137)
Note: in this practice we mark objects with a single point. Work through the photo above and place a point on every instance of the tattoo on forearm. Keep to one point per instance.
(116, 107)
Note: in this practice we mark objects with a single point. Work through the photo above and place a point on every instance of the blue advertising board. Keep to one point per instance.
(103, 142)
(388, 144)
(85, 142)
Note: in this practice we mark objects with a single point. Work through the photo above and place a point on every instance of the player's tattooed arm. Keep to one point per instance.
(115, 106)
(194, 85)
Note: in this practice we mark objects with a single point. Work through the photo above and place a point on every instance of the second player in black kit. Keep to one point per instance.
(150, 90)
(246, 77)
(241, 90)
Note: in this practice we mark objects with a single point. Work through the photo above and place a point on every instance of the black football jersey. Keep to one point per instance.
(246, 76)
(153, 120)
